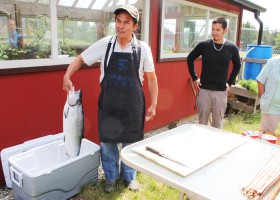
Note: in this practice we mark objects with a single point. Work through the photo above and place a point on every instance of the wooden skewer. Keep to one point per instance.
(271, 176)
(270, 179)
(259, 196)
(261, 176)
(263, 170)
(274, 193)
(265, 179)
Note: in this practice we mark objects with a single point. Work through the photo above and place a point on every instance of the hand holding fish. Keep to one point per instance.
(67, 84)
(73, 67)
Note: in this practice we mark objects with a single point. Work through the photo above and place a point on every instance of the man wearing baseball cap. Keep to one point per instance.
(121, 104)
(131, 10)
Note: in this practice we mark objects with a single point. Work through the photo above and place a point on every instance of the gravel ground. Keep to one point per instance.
(7, 194)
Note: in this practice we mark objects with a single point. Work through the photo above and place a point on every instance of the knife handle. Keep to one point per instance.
(153, 150)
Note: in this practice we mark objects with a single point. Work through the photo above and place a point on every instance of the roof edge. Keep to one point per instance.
(248, 5)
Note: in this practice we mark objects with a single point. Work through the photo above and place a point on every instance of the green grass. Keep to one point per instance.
(239, 122)
(151, 189)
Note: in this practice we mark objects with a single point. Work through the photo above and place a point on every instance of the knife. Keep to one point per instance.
(160, 153)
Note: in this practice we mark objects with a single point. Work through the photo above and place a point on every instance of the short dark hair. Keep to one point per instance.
(220, 20)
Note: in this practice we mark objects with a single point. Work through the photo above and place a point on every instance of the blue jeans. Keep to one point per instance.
(110, 163)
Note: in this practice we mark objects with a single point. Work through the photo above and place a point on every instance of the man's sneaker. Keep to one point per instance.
(110, 186)
(134, 186)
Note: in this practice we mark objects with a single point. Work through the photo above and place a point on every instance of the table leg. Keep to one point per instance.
(181, 197)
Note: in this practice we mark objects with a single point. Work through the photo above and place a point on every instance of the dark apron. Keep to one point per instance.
(121, 103)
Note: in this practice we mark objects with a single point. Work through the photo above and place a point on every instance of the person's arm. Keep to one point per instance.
(260, 88)
(13, 39)
(263, 76)
(195, 53)
(236, 67)
(72, 68)
(153, 88)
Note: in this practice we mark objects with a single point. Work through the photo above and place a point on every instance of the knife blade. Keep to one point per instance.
(160, 153)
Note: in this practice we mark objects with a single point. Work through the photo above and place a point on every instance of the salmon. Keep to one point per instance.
(73, 123)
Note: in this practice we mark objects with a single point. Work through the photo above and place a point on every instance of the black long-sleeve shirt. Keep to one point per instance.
(215, 64)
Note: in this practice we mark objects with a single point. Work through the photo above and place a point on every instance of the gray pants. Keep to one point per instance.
(269, 122)
(210, 101)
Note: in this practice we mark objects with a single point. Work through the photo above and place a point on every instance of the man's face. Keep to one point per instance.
(12, 25)
(218, 32)
(125, 25)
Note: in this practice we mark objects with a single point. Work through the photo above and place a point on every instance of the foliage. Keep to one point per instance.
(65, 49)
(248, 24)
(249, 35)
(3, 53)
(39, 44)
(250, 85)
(36, 45)
(269, 37)
(277, 43)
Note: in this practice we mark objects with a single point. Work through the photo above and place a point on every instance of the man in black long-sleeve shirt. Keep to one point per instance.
(214, 82)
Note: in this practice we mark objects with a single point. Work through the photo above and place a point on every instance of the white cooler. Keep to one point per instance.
(40, 168)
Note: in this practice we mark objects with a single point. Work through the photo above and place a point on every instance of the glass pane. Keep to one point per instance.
(195, 25)
(185, 24)
(25, 32)
(98, 4)
(79, 27)
(75, 35)
(65, 2)
(83, 3)
(232, 25)
(184, 27)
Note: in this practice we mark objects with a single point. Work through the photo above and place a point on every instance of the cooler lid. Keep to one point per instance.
(14, 150)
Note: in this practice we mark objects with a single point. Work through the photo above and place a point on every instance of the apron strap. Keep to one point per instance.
(106, 55)
(138, 55)
(137, 59)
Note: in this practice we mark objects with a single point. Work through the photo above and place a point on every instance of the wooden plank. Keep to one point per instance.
(238, 105)
(242, 92)
(256, 60)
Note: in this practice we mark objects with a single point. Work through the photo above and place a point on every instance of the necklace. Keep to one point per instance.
(221, 47)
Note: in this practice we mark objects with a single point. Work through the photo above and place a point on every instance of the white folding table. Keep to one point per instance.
(220, 179)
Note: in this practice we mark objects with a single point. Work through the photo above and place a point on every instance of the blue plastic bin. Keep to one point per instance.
(252, 69)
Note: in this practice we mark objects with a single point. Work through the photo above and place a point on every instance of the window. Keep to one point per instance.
(52, 32)
(26, 28)
(185, 24)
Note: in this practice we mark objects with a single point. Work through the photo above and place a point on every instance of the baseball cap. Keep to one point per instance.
(130, 9)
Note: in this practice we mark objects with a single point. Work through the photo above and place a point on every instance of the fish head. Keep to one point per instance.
(78, 95)
(74, 97)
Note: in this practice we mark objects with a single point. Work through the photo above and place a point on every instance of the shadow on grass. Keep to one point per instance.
(150, 189)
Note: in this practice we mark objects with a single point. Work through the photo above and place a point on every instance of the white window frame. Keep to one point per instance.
(55, 58)
(208, 9)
